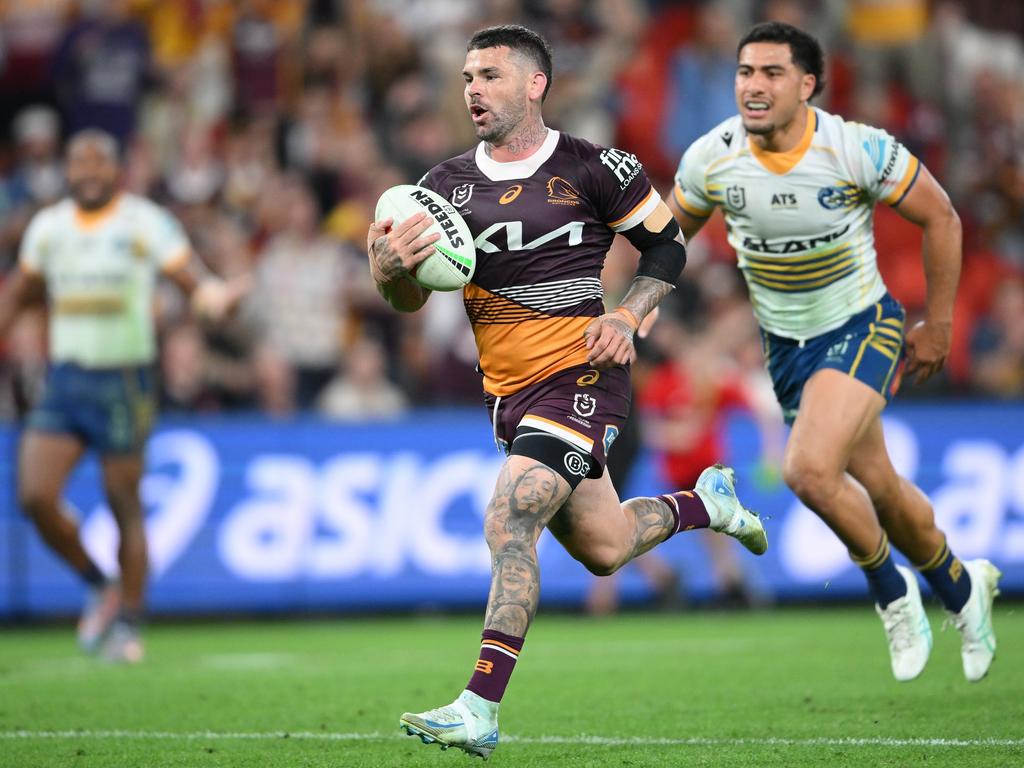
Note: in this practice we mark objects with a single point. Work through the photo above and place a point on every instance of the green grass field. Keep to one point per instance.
(787, 688)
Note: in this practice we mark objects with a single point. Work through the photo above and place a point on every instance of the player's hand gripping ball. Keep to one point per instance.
(453, 262)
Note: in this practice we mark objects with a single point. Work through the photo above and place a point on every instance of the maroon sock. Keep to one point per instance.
(687, 509)
(498, 654)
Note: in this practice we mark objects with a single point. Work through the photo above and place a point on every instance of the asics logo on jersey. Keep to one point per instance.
(624, 165)
(510, 194)
(514, 236)
(760, 245)
(440, 216)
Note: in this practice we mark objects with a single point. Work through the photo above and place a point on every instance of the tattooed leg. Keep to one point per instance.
(653, 522)
(604, 534)
(525, 498)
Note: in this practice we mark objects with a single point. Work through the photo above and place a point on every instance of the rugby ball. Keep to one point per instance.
(453, 262)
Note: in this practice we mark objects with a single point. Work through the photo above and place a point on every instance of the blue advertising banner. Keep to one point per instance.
(249, 514)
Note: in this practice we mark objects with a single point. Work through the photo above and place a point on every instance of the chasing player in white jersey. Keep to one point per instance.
(798, 188)
(98, 255)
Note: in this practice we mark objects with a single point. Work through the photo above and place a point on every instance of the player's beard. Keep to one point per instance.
(759, 129)
(91, 195)
(503, 124)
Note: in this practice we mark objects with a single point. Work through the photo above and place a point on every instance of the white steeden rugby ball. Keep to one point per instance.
(452, 264)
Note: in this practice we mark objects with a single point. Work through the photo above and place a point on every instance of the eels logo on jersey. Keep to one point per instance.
(845, 195)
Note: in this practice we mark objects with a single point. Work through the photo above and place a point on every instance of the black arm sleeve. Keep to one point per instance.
(662, 256)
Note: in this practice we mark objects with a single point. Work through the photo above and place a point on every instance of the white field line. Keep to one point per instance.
(581, 740)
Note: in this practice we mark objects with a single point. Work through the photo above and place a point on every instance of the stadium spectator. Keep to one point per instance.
(101, 70)
(298, 295)
(362, 391)
(998, 344)
(700, 79)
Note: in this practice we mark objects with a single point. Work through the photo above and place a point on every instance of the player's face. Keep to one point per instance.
(496, 92)
(92, 174)
(770, 88)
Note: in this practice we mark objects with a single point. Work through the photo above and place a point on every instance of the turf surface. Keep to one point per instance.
(788, 688)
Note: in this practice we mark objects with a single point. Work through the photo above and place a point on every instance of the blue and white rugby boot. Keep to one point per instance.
(716, 487)
(978, 645)
(907, 630)
(469, 723)
(101, 608)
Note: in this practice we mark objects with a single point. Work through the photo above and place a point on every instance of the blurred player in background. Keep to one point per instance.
(96, 256)
(798, 187)
(543, 208)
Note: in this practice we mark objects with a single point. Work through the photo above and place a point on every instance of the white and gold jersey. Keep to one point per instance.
(800, 221)
(100, 270)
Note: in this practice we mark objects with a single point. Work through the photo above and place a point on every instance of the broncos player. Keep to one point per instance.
(543, 208)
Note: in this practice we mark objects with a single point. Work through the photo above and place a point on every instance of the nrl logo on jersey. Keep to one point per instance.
(736, 197)
(461, 195)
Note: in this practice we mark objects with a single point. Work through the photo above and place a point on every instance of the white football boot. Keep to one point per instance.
(716, 487)
(101, 607)
(978, 646)
(907, 630)
(465, 724)
(123, 644)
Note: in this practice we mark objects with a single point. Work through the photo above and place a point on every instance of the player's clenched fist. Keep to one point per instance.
(609, 339)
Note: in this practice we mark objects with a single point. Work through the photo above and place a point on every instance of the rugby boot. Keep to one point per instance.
(978, 644)
(123, 644)
(459, 724)
(907, 630)
(101, 607)
(716, 487)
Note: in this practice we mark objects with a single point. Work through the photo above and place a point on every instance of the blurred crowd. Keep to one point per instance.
(270, 127)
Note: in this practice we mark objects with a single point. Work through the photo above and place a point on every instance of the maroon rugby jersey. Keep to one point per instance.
(542, 227)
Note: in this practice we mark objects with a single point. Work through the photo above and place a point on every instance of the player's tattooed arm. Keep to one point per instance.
(610, 336)
(394, 252)
(523, 503)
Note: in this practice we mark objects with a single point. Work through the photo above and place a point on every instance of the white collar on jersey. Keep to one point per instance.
(516, 169)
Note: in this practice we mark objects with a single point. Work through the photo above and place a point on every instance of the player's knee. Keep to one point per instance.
(35, 502)
(603, 561)
(810, 479)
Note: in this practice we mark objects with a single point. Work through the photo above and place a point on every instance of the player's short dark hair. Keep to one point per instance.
(806, 51)
(106, 141)
(520, 39)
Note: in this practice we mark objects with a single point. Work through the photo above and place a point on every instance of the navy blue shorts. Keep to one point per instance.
(111, 410)
(868, 347)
